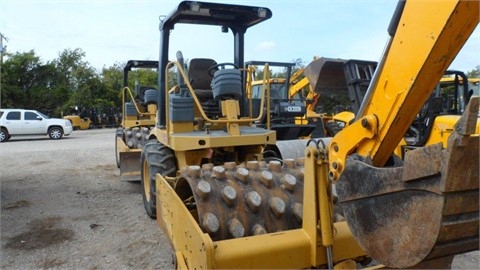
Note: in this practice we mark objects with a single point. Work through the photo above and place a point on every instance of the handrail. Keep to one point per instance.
(249, 78)
(126, 88)
(197, 102)
(266, 85)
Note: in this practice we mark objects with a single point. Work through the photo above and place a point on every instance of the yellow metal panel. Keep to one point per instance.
(346, 140)
(345, 117)
(193, 157)
(129, 161)
(132, 121)
(287, 250)
(442, 129)
(310, 209)
(180, 261)
(188, 240)
(181, 127)
(200, 140)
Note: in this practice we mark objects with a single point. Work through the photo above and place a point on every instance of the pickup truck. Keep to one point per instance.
(16, 122)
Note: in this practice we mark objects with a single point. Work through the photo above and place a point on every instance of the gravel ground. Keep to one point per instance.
(63, 207)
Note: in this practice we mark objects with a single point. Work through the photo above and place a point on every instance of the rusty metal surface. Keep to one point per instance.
(425, 209)
(423, 169)
(467, 123)
(326, 75)
(235, 201)
(130, 165)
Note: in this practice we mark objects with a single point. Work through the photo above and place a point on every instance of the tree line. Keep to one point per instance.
(64, 85)
(70, 85)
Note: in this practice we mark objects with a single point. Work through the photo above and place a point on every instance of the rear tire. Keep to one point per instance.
(55, 133)
(156, 158)
(4, 136)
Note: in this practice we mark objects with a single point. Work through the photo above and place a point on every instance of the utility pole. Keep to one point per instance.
(2, 49)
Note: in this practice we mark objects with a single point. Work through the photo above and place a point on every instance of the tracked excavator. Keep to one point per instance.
(349, 201)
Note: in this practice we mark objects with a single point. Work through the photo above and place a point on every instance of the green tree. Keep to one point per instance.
(112, 79)
(474, 73)
(83, 86)
(65, 84)
(28, 83)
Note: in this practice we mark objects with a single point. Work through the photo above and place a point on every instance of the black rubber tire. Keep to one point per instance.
(156, 158)
(4, 136)
(55, 133)
(118, 134)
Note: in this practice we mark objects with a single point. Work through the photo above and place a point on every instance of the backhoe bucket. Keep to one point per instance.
(426, 208)
(326, 75)
(130, 165)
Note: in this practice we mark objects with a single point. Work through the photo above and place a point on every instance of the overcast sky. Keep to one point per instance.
(112, 32)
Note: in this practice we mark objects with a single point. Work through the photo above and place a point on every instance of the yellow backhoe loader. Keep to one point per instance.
(349, 200)
(285, 108)
(435, 121)
(295, 91)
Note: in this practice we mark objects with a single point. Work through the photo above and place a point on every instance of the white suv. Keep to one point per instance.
(31, 122)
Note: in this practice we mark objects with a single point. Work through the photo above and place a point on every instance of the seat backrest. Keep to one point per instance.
(198, 72)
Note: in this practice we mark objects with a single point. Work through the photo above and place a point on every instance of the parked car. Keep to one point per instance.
(15, 122)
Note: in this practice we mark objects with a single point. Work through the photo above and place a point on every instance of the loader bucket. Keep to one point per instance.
(130, 165)
(425, 208)
(326, 75)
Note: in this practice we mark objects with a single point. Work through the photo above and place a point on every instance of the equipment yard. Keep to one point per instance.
(63, 206)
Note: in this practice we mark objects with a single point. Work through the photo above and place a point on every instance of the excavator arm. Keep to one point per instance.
(297, 84)
(403, 212)
(420, 51)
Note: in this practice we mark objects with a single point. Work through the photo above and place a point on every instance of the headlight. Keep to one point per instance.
(67, 123)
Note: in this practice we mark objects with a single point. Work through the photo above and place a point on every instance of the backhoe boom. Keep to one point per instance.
(421, 50)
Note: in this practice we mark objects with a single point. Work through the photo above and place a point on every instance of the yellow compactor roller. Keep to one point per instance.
(349, 201)
(138, 118)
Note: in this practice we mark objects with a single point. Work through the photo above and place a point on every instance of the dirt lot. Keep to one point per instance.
(63, 207)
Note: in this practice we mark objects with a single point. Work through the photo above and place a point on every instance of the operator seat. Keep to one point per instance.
(199, 77)
(201, 81)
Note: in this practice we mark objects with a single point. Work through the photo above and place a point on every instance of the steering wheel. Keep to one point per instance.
(213, 68)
